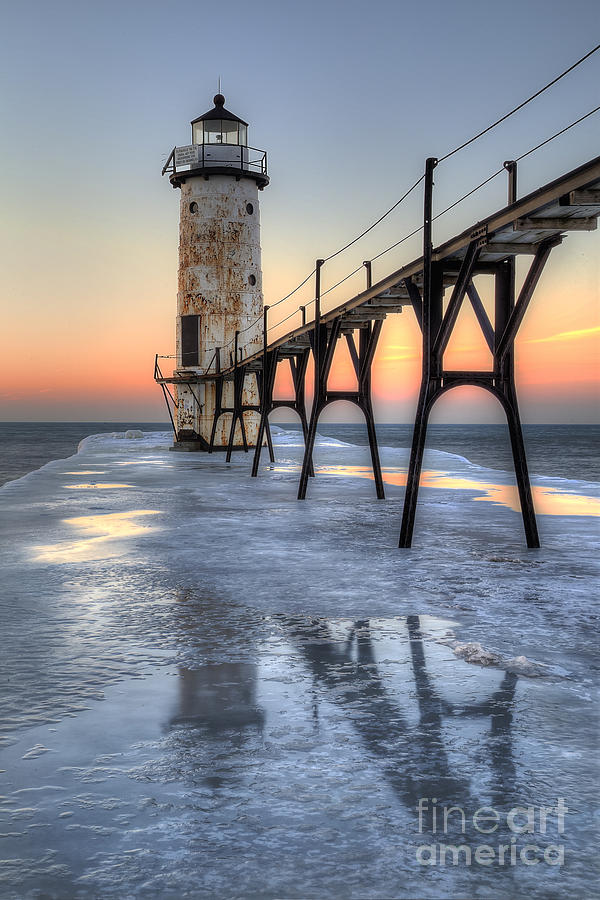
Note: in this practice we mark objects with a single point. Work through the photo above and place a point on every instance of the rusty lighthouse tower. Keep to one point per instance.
(219, 298)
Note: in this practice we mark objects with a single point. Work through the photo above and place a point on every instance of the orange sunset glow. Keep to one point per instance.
(558, 352)
(91, 244)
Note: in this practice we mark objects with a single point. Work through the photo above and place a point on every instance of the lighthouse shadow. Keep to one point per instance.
(216, 718)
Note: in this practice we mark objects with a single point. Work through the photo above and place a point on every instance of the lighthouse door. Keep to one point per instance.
(190, 326)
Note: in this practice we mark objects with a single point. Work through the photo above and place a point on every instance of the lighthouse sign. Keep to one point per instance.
(187, 156)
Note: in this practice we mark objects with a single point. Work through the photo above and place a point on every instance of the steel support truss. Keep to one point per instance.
(236, 411)
(323, 342)
(168, 396)
(437, 328)
(298, 364)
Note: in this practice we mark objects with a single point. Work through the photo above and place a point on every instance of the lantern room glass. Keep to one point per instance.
(220, 131)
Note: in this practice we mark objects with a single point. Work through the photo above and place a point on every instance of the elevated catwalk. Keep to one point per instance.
(531, 226)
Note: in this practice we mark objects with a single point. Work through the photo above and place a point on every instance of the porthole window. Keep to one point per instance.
(252, 280)
(249, 208)
(193, 208)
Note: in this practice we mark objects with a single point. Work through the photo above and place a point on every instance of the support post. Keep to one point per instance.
(322, 368)
(169, 411)
(234, 411)
(431, 316)
(529, 285)
(458, 294)
(317, 348)
(504, 371)
(317, 331)
(265, 425)
(511, 167)
(415, 299)
(299, 378)
(482, 316)
(237, 412)
(217, 412)
(367, 346)
(265, 398)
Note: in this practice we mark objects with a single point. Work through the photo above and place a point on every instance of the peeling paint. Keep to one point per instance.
(219, 249)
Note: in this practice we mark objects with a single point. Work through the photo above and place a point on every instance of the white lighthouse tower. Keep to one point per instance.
(220, 277)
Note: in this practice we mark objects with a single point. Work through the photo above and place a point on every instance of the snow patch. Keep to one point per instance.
(35, 751)
(137, 440)
(475, 653)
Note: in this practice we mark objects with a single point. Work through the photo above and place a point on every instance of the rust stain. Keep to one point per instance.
(219, 250)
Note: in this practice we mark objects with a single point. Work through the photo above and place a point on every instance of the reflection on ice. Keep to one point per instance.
(412, 749)
(218, 698)
(288, 755)
(548, 501)
(400, 693)
(146, 461)
(97, 530)
(93, 484)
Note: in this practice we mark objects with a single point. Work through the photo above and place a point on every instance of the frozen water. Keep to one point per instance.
(210, 689)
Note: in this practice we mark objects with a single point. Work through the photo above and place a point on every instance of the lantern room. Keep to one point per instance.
(219, 146)
(219, 126)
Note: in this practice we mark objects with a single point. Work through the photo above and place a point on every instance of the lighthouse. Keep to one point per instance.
(219, 297)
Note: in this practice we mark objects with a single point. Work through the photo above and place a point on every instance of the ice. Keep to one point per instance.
(473, 652)
(211, 689)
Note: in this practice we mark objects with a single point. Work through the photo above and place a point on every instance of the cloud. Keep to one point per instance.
(566, 335)
(401, 347)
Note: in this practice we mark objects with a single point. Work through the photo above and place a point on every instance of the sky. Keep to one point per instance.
(348, 98)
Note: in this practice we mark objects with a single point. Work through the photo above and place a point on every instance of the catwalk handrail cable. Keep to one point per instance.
(442, 159)
(518, 159)
(415, 185)
(587, 173)
(472, 191)
(558, 134)
(463, 197)
(456, 150)
(437, 216)
(443, 212)
(414, 265)
(377, 221)
(520, 106)
(333, 255)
